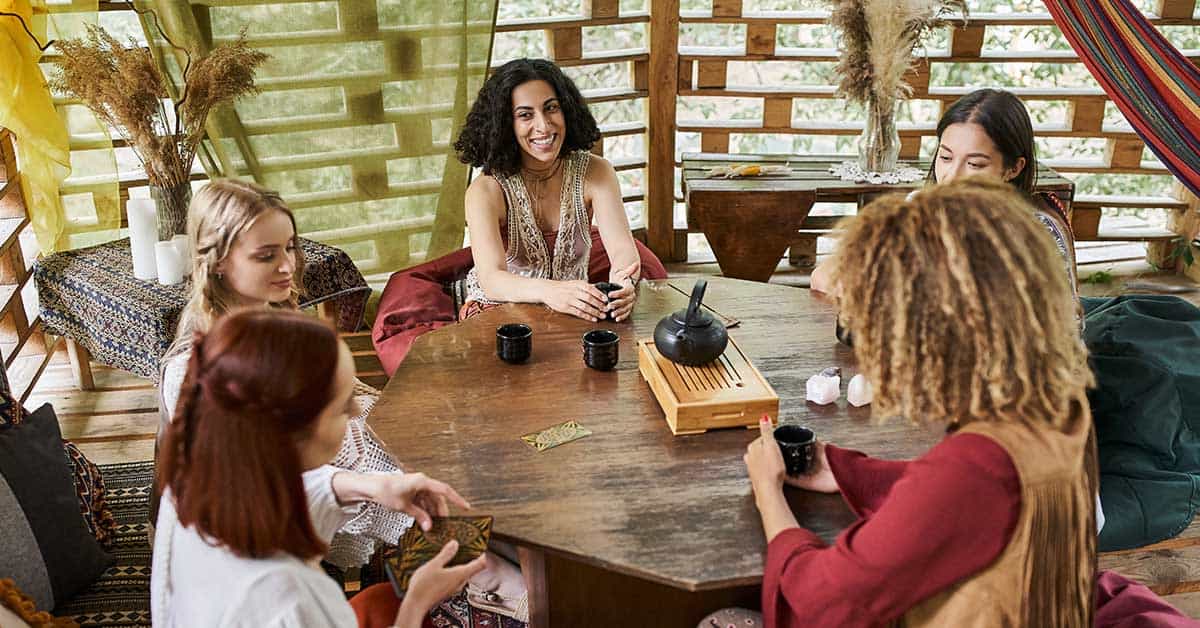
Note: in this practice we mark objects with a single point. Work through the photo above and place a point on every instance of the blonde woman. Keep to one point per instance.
(246, 254)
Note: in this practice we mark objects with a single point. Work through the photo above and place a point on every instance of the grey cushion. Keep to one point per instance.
(46, 546)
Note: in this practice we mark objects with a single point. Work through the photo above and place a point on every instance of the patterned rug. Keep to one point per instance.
(121, 597)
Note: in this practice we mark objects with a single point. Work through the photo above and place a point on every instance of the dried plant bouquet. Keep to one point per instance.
(878, 38)
(123, 86)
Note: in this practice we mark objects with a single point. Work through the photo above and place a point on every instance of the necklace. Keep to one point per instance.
(535, 186)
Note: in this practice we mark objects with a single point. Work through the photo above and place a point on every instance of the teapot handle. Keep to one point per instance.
(697, 297)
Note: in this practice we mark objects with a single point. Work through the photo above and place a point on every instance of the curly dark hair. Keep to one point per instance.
(487, 139)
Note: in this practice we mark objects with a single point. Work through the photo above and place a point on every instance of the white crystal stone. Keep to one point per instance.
(858, 391)
(823, 389)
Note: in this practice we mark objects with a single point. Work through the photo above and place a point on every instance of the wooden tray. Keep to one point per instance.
(728, 392)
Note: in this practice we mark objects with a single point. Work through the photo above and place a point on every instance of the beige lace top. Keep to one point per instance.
(527, 254)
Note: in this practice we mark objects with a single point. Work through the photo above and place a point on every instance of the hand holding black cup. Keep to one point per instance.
(798, 445)
(514, 342)
(607, 287)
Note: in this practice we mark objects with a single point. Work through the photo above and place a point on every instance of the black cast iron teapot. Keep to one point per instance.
(691, 337)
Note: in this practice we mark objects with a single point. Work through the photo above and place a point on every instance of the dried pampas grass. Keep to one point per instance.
(123, 85)
(879, 37)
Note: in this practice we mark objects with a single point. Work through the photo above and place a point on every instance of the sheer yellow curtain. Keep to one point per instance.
(68, 167)
(27, 110)
(359, 107)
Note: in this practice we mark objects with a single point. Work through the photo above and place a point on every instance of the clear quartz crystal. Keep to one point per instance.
(858, 391)
(824, 387)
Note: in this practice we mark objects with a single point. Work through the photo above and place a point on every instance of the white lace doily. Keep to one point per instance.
(851, 171)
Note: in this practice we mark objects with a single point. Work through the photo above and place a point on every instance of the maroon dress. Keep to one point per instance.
(923, 525)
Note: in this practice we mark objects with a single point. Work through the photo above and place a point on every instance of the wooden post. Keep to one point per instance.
(967, 41)
(760, 39)
(81, 365)
(660, 129)
(1087, 114)
(1125, 153)
(1178, 9)
(601, 8)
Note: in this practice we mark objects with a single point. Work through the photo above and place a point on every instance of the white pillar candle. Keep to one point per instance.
(143, 233)
(170, 266)
(185, 253)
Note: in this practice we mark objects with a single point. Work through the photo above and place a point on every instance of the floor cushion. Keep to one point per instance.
(46, 547)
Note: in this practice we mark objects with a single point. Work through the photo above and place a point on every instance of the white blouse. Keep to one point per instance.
(197, 582)
(373, 525)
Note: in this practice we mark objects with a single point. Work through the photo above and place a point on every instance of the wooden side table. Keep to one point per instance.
(750, 222)
(90, 297)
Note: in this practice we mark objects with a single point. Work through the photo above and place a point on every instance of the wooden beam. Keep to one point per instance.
(601, 8)
(777, 112)
(727, 8)
(1087, 114)
(565, 43)
(711, 73)
(714, 142)
(685, 75)
(1176, 9)
(918, 78)
(760, 39)
(660, 126)
(967, 41)
(1124, 153)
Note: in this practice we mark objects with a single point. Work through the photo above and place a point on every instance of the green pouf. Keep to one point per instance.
(1145, 353)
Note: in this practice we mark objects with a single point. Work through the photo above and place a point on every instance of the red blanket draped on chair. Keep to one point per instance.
(415, 300)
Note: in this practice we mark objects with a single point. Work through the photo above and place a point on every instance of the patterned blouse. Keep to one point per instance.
(527, 254)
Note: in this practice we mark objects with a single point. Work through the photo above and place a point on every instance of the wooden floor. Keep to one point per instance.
(117, 421)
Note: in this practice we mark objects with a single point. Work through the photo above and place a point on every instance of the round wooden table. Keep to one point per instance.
(631, 525)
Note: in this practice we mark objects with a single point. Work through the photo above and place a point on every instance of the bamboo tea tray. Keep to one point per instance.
(727, 392)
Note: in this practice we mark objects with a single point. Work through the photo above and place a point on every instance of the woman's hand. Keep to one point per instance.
(764, 461)
(819, 477)
(433, 582)
(621, 301)
(420, 496)
(577, 298)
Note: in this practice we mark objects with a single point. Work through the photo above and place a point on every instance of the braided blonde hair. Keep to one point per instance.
(221, 212)
(959, 308)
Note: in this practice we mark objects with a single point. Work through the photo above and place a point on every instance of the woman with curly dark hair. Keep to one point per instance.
(530, 214)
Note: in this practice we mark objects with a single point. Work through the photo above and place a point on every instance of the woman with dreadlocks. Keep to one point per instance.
(955, 322)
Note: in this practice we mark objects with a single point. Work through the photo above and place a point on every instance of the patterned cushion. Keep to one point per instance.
(46, 546)
(89, 489)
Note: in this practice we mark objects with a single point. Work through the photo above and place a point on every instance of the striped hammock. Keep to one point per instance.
(1150, 81)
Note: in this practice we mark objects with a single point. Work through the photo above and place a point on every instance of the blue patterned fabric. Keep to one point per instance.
(91, 296)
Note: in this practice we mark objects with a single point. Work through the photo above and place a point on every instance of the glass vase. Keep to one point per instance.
(172, 204)
(879, 144)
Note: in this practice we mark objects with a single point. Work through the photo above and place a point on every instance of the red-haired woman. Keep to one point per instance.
(249, 497)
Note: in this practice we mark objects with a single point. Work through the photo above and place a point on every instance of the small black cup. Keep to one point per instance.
(514, 342)
(798, 445)
(600, 349)
(607, 287)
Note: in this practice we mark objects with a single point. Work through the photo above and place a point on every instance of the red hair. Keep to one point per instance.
(255, 386)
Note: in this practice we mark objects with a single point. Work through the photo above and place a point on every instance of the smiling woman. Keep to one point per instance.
(530, 215)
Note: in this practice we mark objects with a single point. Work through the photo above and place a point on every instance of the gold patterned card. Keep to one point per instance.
(556, 435)
(418, 546)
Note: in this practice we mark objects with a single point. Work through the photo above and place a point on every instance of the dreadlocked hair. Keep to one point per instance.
(959, 308)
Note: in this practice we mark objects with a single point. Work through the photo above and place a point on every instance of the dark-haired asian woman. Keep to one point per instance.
(546, 217)
(988, 132)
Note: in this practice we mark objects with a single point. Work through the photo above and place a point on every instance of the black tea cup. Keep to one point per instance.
(514, 342)
(600, 349)
(799, 445)
(607, 287)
